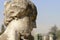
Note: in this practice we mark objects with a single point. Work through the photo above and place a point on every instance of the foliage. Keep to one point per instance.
(58, 34)
(54, 29)
(39, 36)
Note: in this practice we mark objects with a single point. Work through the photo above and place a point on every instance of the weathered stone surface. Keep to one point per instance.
(20, 9)
(20, 19)
(3, 37)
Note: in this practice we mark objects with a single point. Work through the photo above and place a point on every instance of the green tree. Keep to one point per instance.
(53, 31)
(58, 35)
(39, 36)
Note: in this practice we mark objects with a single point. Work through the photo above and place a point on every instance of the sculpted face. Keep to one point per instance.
(20, 16)
(19, 9)
(21, 25)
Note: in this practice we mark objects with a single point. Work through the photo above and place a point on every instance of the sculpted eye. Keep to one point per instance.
(12, 12)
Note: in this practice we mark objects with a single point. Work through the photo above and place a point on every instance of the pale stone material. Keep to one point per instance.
(44, 37)
(20, 19)
(50, 37)
(27, 8)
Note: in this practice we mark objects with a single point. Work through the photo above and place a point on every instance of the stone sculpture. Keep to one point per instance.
(20, 19)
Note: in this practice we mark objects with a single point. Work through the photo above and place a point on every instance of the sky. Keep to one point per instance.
(48, 14)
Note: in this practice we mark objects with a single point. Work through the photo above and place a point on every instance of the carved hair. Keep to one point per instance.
(19, 9)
